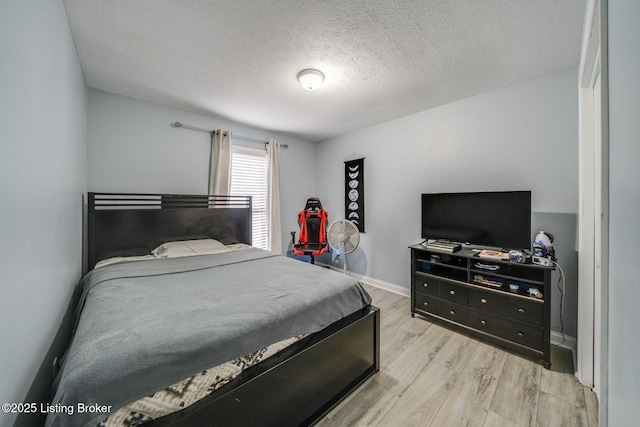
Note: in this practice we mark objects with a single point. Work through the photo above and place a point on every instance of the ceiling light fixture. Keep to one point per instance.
(310, 79)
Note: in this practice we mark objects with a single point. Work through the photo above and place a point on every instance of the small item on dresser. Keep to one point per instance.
(490, 254)
(535, 292)
(514, 287)
(517, 256)
(443, 246)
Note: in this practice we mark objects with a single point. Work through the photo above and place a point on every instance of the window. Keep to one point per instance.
(249, 178)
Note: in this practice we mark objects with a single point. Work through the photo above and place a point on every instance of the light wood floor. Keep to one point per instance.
(431, 376)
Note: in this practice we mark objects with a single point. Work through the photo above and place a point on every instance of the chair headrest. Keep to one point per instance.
(313, 204)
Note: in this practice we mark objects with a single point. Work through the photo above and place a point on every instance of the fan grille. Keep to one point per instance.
(343, 236)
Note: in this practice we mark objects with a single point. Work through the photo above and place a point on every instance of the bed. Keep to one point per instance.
(151, 319)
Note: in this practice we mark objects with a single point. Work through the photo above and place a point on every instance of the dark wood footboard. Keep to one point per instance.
(299, 385)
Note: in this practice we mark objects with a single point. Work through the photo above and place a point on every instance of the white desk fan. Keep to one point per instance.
(343, 237)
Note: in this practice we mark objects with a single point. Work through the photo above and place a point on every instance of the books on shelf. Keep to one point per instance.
(496, 283)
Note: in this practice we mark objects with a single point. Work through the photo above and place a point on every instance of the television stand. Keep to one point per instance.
(478, 297)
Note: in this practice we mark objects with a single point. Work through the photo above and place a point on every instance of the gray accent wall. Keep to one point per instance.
(133, 148)
(564, 294)
(523, 137)
(43, 127)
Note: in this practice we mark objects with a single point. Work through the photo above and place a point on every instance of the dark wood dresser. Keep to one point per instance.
(477, 296)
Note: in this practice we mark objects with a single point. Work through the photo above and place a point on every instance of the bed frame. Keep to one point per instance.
(296, 387)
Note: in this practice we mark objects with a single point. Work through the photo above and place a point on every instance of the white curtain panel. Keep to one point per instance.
(273, 197)
(220, 163)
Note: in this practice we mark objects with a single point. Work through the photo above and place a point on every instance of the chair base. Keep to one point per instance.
(312, 258)
(310, 251)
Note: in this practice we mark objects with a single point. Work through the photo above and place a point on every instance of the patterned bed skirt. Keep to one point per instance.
(190, 390)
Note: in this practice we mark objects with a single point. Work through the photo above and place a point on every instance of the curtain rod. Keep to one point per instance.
(246, 138)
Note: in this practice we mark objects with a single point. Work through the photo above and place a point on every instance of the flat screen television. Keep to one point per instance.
(500, 219)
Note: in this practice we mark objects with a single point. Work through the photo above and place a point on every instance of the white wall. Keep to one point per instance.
(133, 148)
(523, 137)
(624, 213)
(42, 179)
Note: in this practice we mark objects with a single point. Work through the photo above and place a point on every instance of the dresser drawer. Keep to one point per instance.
(525, 311)
(426, 284)
(489, 301)
(485, 322)
(527, 335)
(426, 303)
(453, 312)
(454, 293)
(515, 308)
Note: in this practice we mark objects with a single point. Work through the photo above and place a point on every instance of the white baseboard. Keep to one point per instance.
(569, 342)
(387, 286)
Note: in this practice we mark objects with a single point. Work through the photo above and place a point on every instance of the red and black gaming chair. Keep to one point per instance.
(313, 230)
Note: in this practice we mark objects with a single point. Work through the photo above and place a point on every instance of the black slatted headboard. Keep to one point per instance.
(121, 224)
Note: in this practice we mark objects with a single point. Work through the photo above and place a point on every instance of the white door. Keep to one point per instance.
(594, 203)
(599, 229)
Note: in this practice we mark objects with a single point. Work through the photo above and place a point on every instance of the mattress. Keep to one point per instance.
(146, 325)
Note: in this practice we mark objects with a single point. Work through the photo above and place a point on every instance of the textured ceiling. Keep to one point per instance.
(383, 59)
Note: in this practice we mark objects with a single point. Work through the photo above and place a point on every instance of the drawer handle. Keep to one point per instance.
(453, 313)
(452, 292)
(425, 284)
(425, 304)
(520, 334)
(482, 322)
(483, 300)
(521, 310)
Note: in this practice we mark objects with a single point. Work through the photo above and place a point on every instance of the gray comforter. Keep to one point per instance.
(145, 325)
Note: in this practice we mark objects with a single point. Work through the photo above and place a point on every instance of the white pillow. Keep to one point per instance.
(238, 246)
(118, 259)
(188, 248)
